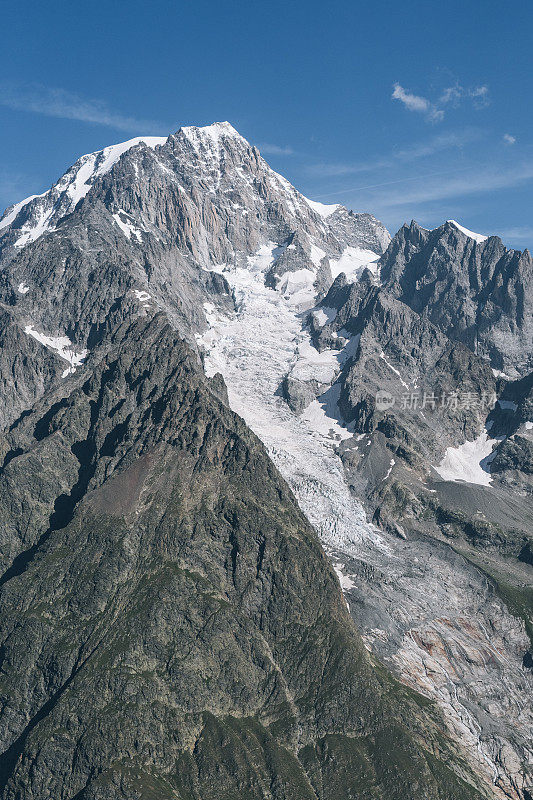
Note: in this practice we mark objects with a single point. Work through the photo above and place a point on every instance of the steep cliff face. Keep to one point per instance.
(442, 449)
(472, 287)
(170, 626)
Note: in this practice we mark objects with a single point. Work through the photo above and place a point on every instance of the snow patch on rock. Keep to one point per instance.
(324, 315)
(469, 462)
(353, 261)
(477, 237)
(317, 254)
(345, 581)
(321, 209)
(142, 295)
(396, 372)
(62, 346)
(128, 228)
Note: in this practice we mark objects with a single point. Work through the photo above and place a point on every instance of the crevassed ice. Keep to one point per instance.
(254, 349)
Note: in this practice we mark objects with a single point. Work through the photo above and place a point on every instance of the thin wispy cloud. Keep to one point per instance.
(456, 184)
(390, 183)
(337, 169)
(275, 149)
(55, 102)
(451, 96)
(445, 141)
(508, 139)
(418, 150)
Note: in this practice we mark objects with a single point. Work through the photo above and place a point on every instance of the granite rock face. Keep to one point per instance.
(477, 292)
(420, 394)
(442, 453)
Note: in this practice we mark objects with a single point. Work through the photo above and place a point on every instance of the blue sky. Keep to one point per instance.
(407, 110)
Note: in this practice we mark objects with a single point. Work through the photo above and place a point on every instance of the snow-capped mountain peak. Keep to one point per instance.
(215, 132)
(477, 237)
(217, 173)
(34, 216)
(199, 227)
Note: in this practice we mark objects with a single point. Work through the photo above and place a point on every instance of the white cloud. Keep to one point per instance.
(451, 96)
(416, 103)
(54, 102)
(275, 149)
(411, 101)
(508, 139)
(480, 94)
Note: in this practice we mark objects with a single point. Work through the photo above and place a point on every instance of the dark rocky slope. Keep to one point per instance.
(169, 625)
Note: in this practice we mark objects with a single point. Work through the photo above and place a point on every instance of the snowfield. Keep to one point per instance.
(61, 346)
(477, 237)
(44, 210)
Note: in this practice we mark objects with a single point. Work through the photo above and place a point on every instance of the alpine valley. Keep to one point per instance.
(266, 481)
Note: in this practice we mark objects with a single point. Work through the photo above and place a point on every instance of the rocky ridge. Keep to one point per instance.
(164, 636)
